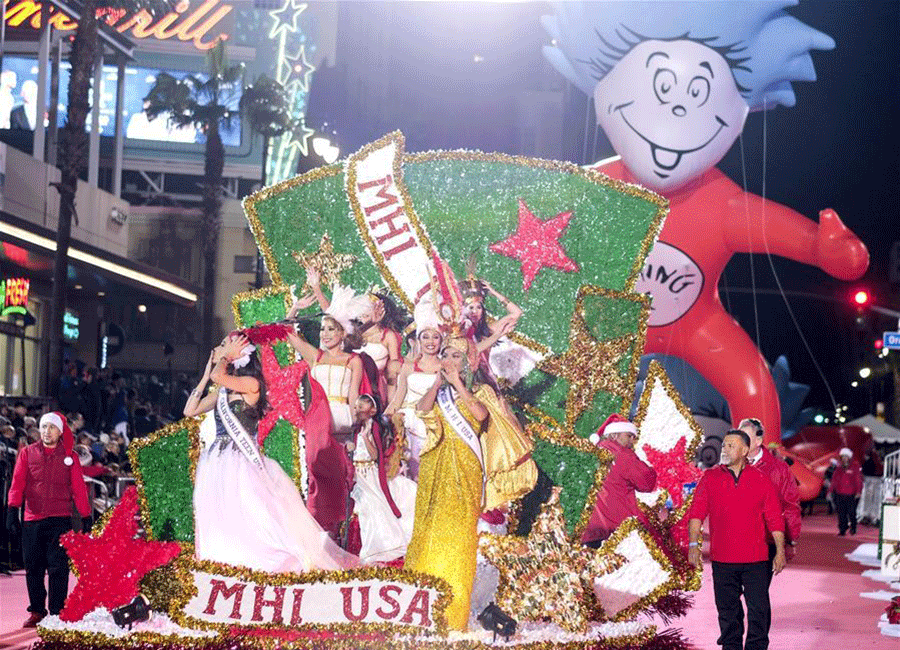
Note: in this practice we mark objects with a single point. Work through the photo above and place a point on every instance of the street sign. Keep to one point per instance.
(892, 340)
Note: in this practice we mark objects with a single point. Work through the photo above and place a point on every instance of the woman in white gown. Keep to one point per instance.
(385, 508)
(416, 377)
(247, 511)
(338, 370)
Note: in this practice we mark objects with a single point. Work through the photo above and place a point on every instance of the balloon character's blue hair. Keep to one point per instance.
(765, 47)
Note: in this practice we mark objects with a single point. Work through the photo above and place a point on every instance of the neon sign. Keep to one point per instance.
(71, 324)
(15, 296)
(181, 23)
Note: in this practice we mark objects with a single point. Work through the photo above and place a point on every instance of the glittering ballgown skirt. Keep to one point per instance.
(246, 517)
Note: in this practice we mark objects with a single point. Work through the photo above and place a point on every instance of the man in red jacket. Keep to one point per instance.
(47, 479)
(616, 500)
(846, 487)
(780, 474)
(742, 505)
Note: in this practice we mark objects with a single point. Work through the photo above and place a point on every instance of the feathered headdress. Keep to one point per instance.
(346, 306)
(449, 301)
(425, 315)
(472, 287)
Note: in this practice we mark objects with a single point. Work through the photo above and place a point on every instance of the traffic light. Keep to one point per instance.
(861, 298)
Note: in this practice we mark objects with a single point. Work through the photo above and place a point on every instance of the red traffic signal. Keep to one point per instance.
(861, 298)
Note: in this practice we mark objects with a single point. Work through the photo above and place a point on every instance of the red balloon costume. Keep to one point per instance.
(672, 84)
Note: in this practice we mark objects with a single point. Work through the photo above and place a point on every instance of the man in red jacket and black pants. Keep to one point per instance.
(846, 488)
(616, 500)
(779, 472)
(742, 505)
(47, 479)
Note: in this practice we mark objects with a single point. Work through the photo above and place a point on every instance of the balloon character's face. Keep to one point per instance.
(671, 109)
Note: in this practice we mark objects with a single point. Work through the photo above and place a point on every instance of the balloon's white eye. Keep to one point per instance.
(663, 82)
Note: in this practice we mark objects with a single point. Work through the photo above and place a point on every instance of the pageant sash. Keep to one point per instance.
(462, 427)
(237, 432)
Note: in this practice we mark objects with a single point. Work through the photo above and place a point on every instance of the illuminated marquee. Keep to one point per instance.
(183, 23)
(15, 296)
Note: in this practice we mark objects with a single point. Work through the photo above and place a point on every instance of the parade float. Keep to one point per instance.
(567, 244)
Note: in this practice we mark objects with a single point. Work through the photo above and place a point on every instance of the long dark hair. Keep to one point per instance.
(254, 369)
(482, 330)
(395, 318)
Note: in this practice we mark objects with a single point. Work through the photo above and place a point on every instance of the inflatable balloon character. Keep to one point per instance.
(673, 83)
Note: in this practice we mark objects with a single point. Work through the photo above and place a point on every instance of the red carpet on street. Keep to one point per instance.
(816, 601)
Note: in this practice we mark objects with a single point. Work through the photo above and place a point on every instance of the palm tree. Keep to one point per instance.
(73, 144)
(208, 103)
(266, 107)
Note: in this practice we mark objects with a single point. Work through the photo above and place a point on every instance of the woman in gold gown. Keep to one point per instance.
(451, 482)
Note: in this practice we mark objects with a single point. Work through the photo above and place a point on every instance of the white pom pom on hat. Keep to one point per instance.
(846, 451)
(615, 423)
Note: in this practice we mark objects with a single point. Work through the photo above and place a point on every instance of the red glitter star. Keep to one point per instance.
(281, 392)
(672, 470)
(111, 566)
(536, 244)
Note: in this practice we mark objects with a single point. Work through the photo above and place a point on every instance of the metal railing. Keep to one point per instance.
(890, 485)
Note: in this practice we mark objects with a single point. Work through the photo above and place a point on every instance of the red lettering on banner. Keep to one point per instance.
(295, 610)
(388, 198)
(425, 289)
(421, 605)
(218, 587)
(386, 597)
(409, 243)
(393, 230)
(277, 603)
(347, 593)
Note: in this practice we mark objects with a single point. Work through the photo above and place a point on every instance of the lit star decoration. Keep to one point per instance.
(299, 137)
(536, 244)
(544, 575)
(282, 392)
(326, 261)
(111, 566)
(296, 69)
(590, 366)
(286, 18)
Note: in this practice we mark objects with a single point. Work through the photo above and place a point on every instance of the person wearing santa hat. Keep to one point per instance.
(47, 479)
(616, 500)
(846, 488)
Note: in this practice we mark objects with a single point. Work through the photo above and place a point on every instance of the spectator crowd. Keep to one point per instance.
(105, 415)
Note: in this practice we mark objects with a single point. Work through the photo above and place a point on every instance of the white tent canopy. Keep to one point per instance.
(881, 431)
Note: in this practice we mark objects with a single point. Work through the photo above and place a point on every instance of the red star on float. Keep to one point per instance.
(536, 244)
(110, 566)
(672, 469)
(281, 392)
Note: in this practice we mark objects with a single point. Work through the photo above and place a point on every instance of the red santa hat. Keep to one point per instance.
(615, 423)
(68, 440)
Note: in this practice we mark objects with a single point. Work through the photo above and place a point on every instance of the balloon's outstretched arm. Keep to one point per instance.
(757, 225)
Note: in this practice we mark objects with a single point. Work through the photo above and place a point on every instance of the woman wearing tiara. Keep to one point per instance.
(451, 479)
(247, 511)
(416, 376)
(380, 323)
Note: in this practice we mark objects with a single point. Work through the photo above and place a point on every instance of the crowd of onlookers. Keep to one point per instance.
(105, 415)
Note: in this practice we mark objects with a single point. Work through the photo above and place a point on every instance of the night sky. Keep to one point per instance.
(838, 147)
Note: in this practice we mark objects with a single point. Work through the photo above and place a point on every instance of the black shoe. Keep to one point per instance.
(852, 531)
(842, 533)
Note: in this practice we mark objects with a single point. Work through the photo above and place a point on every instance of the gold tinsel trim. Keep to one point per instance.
(546, 428)
(185, 564)
(350, 182)
(593, 175)
(632, 525)
(192, 426)
(83, 640)
(259, 294)
(256, 226)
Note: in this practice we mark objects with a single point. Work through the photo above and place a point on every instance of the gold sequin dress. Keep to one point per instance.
(506, 449)
(448, 504)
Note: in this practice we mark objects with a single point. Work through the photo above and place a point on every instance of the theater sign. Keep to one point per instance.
(200, 23)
